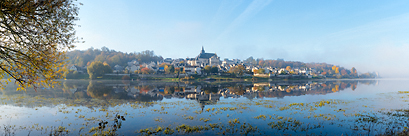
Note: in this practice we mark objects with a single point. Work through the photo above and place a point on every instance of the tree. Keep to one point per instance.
(107, 68)
(238, 70)
(145, 70)
(170, 69)
(353, 72)
(288, 68)
(283, 72)
(97, 69)
(214, 69)
(343, 72)
(207, 69)
(261, 71)
(34, 36)
(251, 60)
(70, 74)
(261, 63)
(336, 70)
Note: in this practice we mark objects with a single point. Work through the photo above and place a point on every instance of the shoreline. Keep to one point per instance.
(216, 78)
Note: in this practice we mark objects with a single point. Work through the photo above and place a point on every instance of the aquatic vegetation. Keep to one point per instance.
(189, 117)
(260, 117)
(205, 120)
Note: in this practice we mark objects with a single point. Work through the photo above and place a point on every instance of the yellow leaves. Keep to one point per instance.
(37, 49)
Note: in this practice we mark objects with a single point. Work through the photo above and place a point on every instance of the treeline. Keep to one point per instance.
(328, 70)
(111, 57)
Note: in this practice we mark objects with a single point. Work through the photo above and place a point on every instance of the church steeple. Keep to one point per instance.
(203, 51)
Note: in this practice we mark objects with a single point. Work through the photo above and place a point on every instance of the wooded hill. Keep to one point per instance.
(112, 57)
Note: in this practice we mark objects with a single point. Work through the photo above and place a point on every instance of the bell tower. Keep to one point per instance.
(203, 51)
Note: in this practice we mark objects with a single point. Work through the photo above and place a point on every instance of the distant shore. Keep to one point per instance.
(199, 78)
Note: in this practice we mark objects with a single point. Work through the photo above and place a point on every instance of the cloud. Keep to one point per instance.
(251, 10)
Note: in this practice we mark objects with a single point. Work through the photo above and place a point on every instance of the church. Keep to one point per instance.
(204, 59)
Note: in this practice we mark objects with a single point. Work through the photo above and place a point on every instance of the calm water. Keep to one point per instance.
(334, 107)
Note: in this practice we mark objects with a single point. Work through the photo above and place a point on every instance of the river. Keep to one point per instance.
(302, 107)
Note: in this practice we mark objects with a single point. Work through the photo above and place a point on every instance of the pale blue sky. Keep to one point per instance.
(369, 35)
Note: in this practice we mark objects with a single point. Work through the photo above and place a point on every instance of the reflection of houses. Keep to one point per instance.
(226, 93)
(205, 99)
(133, 92)
(193, 89)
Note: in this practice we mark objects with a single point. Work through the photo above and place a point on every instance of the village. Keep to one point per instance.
(204, 64)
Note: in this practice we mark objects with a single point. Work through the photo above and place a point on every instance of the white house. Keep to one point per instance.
(133, 62)
(133, 68)
(73, 67)
(78, 69)
(192, 70)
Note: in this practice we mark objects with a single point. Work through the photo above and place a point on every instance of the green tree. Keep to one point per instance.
(170, 69)
(283, 72)
(261, 71)
(214, 69)
(97, 69)
(107, 68)
(207, 69)
(34, 35)
(98, 90)
(70, 74)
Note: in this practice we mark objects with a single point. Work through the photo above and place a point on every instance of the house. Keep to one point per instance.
(133, 68)
(133, 62)
(168, 60)
(118, 69)
(78, 69)
(192, 70)
(73, 67)
(281, 70)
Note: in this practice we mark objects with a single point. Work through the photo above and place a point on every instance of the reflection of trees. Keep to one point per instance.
(210, 89)
(80, 95)
(98, 90)
(368, 82)
(315, 88)
(238, 89)
(149, 92)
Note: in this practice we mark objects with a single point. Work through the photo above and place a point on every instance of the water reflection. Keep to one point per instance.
(203, 93)
(285, 107)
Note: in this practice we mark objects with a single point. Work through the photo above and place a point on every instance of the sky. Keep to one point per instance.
(370, 35)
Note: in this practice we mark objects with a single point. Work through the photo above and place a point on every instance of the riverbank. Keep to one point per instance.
(199, 78)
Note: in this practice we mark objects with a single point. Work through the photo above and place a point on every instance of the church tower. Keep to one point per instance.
(202, 50)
